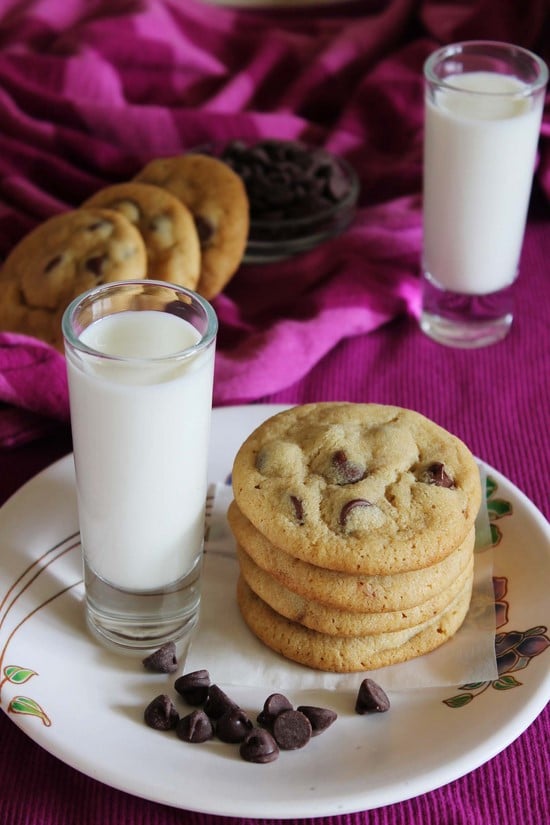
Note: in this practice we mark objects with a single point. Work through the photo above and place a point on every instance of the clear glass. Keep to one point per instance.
(140, 363)
(483, 111)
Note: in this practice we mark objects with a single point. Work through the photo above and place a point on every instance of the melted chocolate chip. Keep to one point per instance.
(205, 229)
(346, 471)
(320, 718)
(96, 264)
(161, 714)
(351, 505)
(196, 727)
(193, 686)
(437, 475)
(298, 509)
(371, 698)
(233, 726)
(52, 263)
(259, 746)
(163, 660)
(292, 730)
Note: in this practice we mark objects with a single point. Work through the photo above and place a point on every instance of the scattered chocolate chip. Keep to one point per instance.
(163, 660)
(193, 686)
(161, 714)
(351, 505)
(217, 702)
(298, 509)
(233, 726)
(259, 746)
(320, 718)
(195, 727)
(436, 474)
(292, 730)
(371, 698)
(275, 704)
(345, 470)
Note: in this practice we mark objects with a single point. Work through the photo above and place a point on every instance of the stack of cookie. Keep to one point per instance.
(183, 219)
(354, 526)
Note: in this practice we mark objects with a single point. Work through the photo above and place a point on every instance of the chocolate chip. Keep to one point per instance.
(163, 660)
(195, 727)
(161, 714)
(205, 229)
(193, 686)
(52, 263)
(371, 698)
(96, 264)
(101, 224)
(298, 509)
(345, 470)
(351, 505)
(437, 475)
(218, 703)
(292, 730)
(320, 718)
(233, 726)
(275, 704)
(259, 746)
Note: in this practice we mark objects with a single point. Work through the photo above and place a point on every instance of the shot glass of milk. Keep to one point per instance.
(140, 362)
(483, 111)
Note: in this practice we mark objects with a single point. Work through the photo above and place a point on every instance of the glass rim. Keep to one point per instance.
(206, 339)
(477, 46)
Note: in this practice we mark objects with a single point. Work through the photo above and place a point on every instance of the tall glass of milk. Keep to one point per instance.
(483, 110)
(140, 362)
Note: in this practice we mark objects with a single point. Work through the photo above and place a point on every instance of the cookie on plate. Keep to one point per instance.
(216, 196)
(61, 258)
(348, 591)
(345, 654)
(339, 622)
(358, 488)
(166, 226)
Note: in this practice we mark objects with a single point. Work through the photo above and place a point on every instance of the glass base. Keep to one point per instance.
(465, 321)
(145, 620)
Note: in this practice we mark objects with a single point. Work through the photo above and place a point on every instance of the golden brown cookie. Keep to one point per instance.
(347, 591)
(216, 196)
(166, 226)
(335, 621)
(61, 258)
(358, 488)
(344, 654)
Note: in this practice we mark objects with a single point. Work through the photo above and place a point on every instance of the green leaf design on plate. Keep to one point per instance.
(498, 508)
(459, 701)
(28, 707)
(506, 682)
(18, 675)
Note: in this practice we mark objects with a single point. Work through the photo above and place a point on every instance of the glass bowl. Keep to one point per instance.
(299, 195)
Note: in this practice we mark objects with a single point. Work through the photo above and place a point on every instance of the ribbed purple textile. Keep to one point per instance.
(496, 399)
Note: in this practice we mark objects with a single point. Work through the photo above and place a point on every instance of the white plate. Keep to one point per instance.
(85, 705)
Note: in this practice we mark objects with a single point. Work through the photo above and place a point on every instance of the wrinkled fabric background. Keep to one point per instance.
(91, 90)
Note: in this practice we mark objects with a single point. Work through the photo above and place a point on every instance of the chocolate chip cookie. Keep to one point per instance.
(217, 198)
(166, 226)
(61, 258)
(358, 488)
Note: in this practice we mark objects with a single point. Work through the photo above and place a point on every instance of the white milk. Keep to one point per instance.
(478, 167)
(141, 439)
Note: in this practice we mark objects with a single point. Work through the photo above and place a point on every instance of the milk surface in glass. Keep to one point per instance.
(480, 152)
(141, 439)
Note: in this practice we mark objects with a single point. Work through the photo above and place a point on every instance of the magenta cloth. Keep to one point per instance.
(91, 91)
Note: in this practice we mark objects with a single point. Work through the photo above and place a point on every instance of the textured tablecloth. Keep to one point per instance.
(496, 399)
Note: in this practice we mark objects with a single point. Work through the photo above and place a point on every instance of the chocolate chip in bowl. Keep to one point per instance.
(299, 195)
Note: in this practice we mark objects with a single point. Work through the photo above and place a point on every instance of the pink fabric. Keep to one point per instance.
(90, 91)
